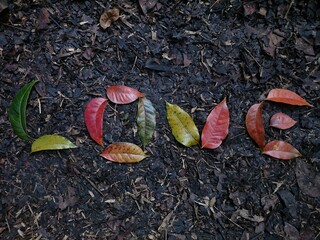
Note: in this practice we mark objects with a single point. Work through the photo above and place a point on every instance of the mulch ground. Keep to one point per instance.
(190, 53)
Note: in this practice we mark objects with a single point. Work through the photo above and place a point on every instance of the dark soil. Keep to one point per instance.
(191, 53)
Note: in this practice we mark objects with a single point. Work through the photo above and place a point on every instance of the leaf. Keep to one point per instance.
(308, 178)
(3, 5)
(17, 111)
(93, 118)
(286, 96)
(147, 5)
(217, 126)
(43, 19)
(123, 152)
(121, 94)
(146, 120)
(281, 150)
(254, 124)
(51, 142)
(109, 17)
(282, 121)
(182, 126)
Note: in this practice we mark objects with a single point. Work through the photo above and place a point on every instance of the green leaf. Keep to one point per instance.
(17, 111)
(146, 120)
(51, 142)
(182, 126)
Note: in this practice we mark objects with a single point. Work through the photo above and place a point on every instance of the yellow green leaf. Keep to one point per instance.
(182, 126)
(51, 142)
(123, 152)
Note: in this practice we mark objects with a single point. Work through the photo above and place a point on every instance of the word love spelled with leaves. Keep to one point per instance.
(122, 152)
(255, 127)
(182, 125)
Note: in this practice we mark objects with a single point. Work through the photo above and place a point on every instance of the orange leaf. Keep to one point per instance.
(286, 96)
(282, 121)
(217, 125)
(121, 94)
(123, 152)
(281, 150)
(254, 124)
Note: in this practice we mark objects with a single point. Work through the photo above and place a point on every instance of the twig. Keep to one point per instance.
(18, 28)
(252, 56)
(93, 185)
(287, 13)
(236, 224)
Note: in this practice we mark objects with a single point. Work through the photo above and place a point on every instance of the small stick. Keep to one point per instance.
(287, 13)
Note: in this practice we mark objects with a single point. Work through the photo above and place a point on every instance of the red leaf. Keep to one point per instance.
(286, 96)
(121, 94)
(93, 118)
(254, 124)
(123, 152)
(281, 150)
(217, 125)
(282, 121)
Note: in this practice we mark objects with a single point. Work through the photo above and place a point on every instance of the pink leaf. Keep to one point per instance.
(121, 94)
(282, 121)
(281, 150)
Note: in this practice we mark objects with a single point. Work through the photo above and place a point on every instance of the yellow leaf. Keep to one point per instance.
(182, 126)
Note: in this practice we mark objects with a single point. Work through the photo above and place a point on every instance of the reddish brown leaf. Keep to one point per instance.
(43, 19)
(286, 96)
(217, 126)
(109, 17)
(254, 124)
(123, 152)
(249, 8)
(282, 121)
(281, 150)
(93, 118)
(121, 94)
(274, 41)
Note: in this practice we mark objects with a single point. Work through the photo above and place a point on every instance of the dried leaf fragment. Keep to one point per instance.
(147, 5)
(308, 178)
(109, 17)
(3, 5)
(43, 19)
